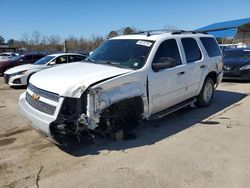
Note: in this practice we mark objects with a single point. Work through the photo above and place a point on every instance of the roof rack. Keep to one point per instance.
(175, 32)
(151, 32)
(184, 32)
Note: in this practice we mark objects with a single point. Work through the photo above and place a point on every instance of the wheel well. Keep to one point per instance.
(136, 103)
(212, 75)
(125, 114)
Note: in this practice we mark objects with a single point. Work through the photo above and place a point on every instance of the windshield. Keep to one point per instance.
(236, 54)
(44, 60)
(124, 53)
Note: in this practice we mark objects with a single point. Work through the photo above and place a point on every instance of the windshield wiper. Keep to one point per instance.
(110, 63)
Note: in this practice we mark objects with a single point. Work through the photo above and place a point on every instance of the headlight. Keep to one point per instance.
(19, 73)
(245, 67)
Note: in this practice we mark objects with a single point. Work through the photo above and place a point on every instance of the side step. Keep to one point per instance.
(172, 109)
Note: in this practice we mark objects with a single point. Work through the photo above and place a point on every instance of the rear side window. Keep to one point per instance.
(211, 46)
(191, 49)
(75, 58)
(168, 49)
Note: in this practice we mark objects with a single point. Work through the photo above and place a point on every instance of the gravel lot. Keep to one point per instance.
(194, 147)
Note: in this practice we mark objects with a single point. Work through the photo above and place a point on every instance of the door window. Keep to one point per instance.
(191, 49)
(75, 58)
(61, 59)
(168, 49)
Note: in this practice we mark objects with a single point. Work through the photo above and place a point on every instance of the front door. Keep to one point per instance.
(167, 87)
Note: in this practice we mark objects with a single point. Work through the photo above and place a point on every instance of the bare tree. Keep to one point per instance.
(36, 36)
(26, 38)
(54, 39)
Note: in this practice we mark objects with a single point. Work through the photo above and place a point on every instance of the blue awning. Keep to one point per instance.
(225, 25)
(226, 33)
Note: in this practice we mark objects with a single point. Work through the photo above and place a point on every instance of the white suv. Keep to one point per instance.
(127, 79)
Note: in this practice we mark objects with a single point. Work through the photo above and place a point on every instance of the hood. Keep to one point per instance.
(23, 68)
(72, 79)
(236, 62)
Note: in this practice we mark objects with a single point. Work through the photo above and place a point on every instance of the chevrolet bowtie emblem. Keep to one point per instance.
(35, 97)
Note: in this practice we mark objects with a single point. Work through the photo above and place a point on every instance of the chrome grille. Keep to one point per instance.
(43, 93)
(39, 105)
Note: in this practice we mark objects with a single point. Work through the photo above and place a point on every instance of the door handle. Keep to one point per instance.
(180, 73)
(202, 66)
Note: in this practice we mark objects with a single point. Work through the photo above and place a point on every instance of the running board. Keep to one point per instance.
(172, 109)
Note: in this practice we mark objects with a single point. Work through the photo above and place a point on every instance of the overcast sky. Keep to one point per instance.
(87, 17)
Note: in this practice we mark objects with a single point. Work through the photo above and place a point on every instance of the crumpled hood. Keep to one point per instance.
(72, 79)
(23, 68)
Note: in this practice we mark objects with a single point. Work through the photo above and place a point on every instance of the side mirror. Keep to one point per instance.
(52, 63)
(164, 63)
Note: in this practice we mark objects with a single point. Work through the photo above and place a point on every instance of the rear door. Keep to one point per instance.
(167, 86)
(195, 63)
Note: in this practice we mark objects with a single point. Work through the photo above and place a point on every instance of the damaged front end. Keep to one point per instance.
(99, 110)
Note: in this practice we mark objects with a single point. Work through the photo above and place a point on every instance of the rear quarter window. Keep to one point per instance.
(191, 49)
(211, 46)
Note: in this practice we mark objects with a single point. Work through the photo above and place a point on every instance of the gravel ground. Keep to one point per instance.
(194, 147)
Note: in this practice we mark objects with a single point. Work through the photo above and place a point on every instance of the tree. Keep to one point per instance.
(1, 40)
(11, 42)
(26, 38)
(112, 34)
(128, 30)
(36, 36)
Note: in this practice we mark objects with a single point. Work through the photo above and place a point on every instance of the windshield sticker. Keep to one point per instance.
(144, 43)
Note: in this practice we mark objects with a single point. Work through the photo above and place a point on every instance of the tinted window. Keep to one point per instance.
(61, 59)
(75, 58)
(191, 49)
(211, 46)
(168, 49)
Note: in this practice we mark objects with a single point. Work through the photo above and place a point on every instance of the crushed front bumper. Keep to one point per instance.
(38, 120)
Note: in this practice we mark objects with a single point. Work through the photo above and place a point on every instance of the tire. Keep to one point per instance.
(206, 95)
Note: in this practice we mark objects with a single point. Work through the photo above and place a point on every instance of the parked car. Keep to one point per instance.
(19, 60)
(237, 64)
(8, 55)
(20, 75)
(126, 80)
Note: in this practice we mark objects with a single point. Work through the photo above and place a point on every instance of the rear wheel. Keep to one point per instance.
(206, 94)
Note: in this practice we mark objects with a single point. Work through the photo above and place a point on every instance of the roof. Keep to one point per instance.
(225, 25)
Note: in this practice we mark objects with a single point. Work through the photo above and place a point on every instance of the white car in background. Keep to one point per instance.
(8, 55)
(20, 75)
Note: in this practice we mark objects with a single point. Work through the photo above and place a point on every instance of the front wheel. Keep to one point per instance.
(206, 94)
